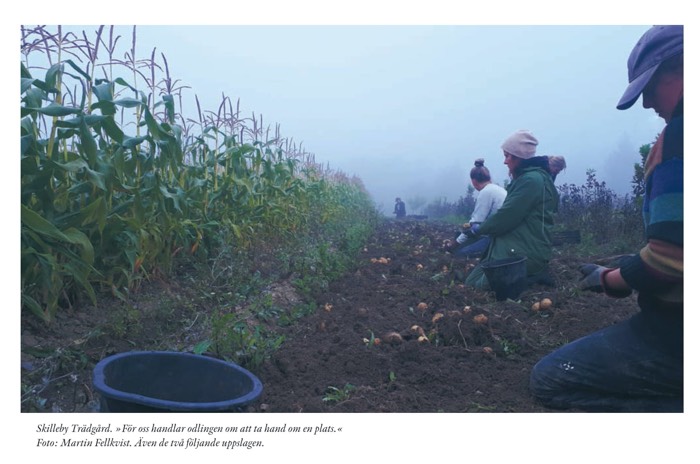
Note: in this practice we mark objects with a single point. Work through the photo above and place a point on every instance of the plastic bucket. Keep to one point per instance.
(168, 381)
(507, 277)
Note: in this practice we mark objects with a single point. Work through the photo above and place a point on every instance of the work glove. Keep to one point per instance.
(592, 277)
(593, 280)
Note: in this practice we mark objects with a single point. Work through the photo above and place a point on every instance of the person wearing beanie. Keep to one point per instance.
(637, 365)
(521, 144)
(489, 199)
(522, 225)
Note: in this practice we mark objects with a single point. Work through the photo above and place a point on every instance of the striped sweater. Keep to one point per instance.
(657, 271)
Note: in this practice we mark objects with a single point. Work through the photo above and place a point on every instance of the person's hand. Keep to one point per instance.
(592, 277)
(450, 245)
(474, 229)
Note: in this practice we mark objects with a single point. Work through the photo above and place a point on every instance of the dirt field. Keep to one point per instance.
(476, 356)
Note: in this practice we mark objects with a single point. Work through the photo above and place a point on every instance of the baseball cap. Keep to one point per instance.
(654, 47)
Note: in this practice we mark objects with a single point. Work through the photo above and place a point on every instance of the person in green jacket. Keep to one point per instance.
(521, 227)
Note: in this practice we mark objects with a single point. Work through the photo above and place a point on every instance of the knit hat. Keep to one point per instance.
(656, 46)
(521, 144)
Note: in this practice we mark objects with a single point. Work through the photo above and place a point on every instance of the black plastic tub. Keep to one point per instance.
(507, 277)
(169, 381)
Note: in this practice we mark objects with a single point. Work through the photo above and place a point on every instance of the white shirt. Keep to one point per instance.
(488, 200)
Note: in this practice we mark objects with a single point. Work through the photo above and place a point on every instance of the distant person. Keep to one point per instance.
(556, 165)
(521, 227)
(637, 365)
(489, 199)
(399, 208)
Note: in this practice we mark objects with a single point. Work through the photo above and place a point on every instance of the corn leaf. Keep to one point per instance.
(80, 71)
(106, 107)
(131, 142)
(121, 81)
(26, 83)
(52, 77)
(112, 130)
(54, 109)
(128, 102)
(34, 307)
(88, 144)
(103, 91)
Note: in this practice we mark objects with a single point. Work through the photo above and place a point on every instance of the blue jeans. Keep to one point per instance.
(615, 369)
(473, 250)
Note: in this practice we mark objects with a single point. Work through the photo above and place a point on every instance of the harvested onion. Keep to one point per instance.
(418, 329)
(393, 338)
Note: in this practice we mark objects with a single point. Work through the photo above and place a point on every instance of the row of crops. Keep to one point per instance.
(117, 185)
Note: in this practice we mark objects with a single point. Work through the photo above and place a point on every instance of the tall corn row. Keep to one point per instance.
(114, 190)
